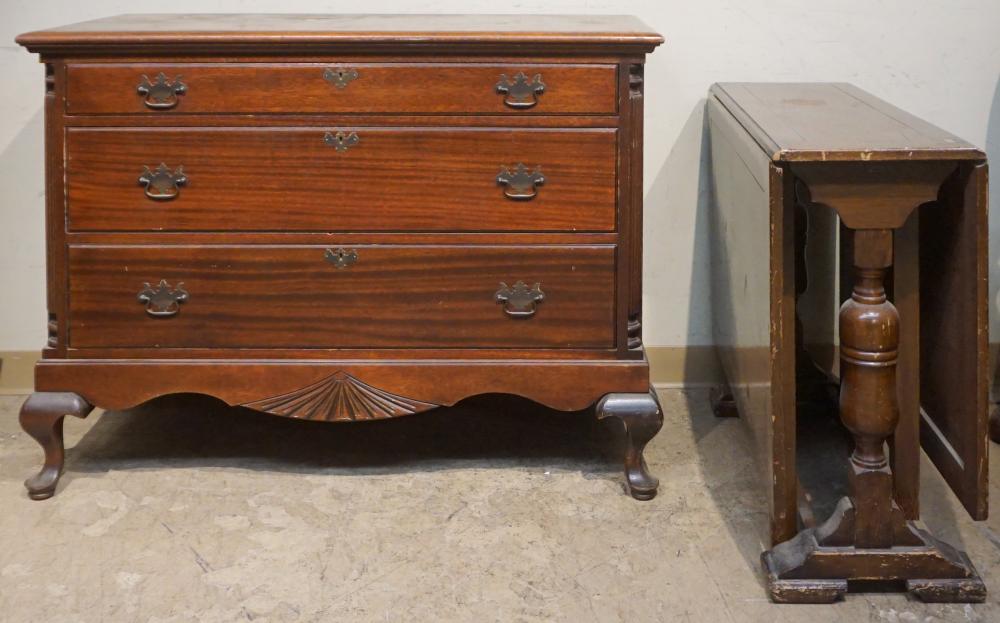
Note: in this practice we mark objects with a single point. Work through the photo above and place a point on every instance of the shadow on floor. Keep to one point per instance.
(483, 431)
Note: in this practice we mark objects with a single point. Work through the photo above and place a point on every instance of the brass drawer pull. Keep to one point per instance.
(520, 93)
(340, 76)
(341, 258)
(162, 184)
(520, 185)
(520, 301)
(341, 141)
(162, 301)
(162, 94)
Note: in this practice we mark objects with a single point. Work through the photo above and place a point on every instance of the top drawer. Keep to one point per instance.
(410, 88)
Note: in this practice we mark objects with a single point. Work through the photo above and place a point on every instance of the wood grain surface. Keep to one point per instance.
(824, 121)
(439, 88)
(269, 296)
(123, 383)
(754, 305)
(456, 33)
(905, 192)
(393, 179)
(259, 201)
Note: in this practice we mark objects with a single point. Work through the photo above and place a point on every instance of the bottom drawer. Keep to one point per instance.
(327, 297)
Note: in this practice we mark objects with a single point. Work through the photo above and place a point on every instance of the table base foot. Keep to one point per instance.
(817, 565)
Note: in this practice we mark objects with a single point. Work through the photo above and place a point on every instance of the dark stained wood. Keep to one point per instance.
(256, 208)
(395, 179)
(348, 238)
(954, 335)
(340, 397)
(905, 296)
(42, 417)
(336, 33)
(724, 404)
(55, 213)
(561, 384)
(835, 122)
(442, 88)
(631, 205)
(904, 192)
(868, 537)
(869, 351)
(358, 27)
(642, 418)
(298, 120)
(784, 394)
(391, 297)
(805, 570)
(352, 354)
(752, 221)
(846, 185)
(814, 387)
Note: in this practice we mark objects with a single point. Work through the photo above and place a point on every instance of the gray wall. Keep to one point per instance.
(938, 59)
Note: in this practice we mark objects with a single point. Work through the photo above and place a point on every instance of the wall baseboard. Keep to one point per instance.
(670, 367)
(17, 371)
(684, 366)
(698, 366)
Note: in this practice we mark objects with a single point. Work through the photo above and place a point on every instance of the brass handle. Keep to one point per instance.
(520, 184)
(340, 76)
(341, 258)
(162, 184)
(341, 141)
(520, 301)
(520, 93)
(162, 301)
(162, 94)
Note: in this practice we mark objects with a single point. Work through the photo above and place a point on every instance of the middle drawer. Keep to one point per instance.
(341, 179)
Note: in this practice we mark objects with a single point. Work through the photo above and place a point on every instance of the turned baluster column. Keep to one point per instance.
(869, 338)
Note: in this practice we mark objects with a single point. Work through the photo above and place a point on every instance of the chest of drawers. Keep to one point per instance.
(344, 218)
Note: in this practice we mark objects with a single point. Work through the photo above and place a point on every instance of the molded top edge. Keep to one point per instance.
(835, 122)
(225, 30)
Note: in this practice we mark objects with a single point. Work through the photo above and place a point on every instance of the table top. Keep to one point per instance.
(807, 122)
(206, 29)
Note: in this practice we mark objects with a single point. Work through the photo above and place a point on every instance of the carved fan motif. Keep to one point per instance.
(340, 397)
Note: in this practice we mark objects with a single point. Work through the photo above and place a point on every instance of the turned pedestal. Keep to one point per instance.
(868, 538)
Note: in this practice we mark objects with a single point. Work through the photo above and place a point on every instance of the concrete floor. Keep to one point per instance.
(494, 511)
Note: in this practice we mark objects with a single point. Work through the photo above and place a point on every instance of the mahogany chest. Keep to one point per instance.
(344, 217)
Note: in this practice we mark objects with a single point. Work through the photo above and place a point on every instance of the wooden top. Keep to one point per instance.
(334, 32)
(817, 122)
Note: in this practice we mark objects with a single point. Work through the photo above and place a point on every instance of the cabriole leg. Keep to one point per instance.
(42, 417)
(642, 417)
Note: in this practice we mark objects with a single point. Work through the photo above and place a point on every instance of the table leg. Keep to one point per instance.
(867, 537)
(869, 342)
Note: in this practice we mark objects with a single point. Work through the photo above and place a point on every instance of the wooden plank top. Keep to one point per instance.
(227, 30)
(824, 122)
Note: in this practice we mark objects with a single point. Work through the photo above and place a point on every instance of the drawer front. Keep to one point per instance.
(341, 179)
(341, 88)
(359, 297)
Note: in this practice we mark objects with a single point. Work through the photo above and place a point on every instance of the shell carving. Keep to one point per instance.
(340, 397)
